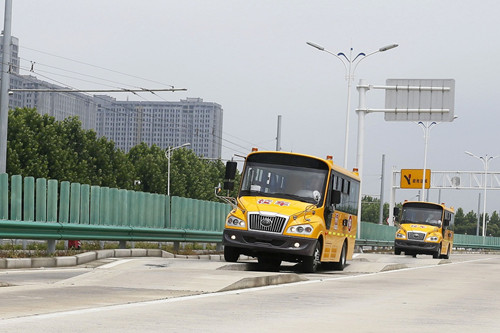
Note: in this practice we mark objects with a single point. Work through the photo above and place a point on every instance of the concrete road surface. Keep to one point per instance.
(375, 293)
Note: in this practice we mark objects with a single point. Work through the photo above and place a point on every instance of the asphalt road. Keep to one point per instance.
(375, 293)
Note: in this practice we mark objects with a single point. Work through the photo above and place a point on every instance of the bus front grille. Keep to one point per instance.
(267, 223)
(415, 235)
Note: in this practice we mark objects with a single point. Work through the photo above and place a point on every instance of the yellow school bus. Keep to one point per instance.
(292, 207)
(424, 228)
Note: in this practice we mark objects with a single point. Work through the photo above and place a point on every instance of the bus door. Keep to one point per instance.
(333, 220)
(447, 228)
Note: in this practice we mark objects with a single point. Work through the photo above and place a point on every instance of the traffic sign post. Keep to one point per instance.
(413, 178)
(407, 100)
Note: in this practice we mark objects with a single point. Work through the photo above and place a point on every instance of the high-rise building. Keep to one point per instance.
(165, 124)
(60, 105)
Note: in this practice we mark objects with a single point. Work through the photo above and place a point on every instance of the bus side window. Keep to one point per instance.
(446, 220)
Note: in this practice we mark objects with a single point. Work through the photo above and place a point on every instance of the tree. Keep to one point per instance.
(370, 210)
(41, 147)
(150, 168)
(465, 224)
(493, 226)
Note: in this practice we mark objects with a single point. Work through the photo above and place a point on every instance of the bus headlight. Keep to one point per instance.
(400, 235)
(303, 229)
(432, 239)
(235, 222)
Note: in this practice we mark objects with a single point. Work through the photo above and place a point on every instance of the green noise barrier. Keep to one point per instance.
(48, 210)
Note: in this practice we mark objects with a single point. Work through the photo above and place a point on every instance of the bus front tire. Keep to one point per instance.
(397, 251)
(312, 263)
(437, 254)
(339, 266)
(231, 254)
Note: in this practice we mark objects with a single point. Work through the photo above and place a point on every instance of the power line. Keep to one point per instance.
(176, 127)
(120, 90)
(95, 90)
(91, 65)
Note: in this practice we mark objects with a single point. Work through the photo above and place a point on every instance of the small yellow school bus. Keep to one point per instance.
(424, 228)
(292, 207)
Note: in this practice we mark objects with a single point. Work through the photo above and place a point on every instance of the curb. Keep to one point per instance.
(86, 257)
(261, 281)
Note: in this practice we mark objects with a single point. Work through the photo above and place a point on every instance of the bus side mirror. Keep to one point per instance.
(335, 197)
(395, 213)
(230, 170)
(228, 185)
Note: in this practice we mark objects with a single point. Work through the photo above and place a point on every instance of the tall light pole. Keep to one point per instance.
(168, 153)
(485, 159)
(348, 62)
(426, 127)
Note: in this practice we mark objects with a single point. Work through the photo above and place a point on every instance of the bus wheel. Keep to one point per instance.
(397, 251)
(312, 263)
(437, 254)
(447, 255)
(231, 254)
(339, 266)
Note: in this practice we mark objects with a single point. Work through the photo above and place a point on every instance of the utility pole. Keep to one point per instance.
(381, 209)
(4, 88)
(278, 135)
(478, 213)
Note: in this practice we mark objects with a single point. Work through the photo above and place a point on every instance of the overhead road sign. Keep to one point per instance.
(419, 100)
(413, 178)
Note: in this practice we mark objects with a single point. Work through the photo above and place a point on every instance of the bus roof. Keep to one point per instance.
(423, 203)
(328, 162)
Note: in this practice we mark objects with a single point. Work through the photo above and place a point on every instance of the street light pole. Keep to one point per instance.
(486, 159)
(349, 70)
(168, 153)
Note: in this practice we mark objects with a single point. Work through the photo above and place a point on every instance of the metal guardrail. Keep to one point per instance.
(61, 231)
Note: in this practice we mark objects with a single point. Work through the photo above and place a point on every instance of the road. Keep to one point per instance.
(376, 293)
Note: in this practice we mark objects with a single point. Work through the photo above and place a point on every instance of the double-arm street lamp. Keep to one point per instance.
(485, 159)
(168, 153)
(348, 62)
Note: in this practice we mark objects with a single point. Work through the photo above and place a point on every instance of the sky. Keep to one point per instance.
(251, 57)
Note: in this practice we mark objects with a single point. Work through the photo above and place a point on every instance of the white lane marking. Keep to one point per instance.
(34, 318)
(114, 263)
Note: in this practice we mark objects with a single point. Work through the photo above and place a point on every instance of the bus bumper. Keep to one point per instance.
(416, 247)
(253, 243)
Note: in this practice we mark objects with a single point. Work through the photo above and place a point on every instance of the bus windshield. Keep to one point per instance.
(422, 215)
(284, 181)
